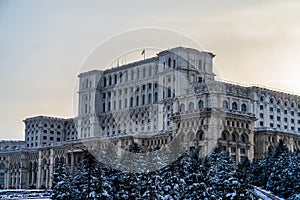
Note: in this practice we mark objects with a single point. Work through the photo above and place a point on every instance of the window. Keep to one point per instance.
(234, 106)
(233, 149)
(150, 71)
(285, 112)
(242, 150)
(182, 107)
(261, 107)
(169, 62)
(243, 139)
(191, 106)
(223, 136)
(292, 113)
(278, 118)
(149, 98)
(271, 117)
(261, 98)
(138, 74)
(285, 119)
(200, 104)
(155, 97)
(261, 123)
(156, 69)
(137, 101)
(271, 109)
(132, 75)
(200, 65)
(244, 107)
(144, 72)
(278, 110)
(271, 125)
(261, 115)
(233, 137)
(169, 92)
(225, 104)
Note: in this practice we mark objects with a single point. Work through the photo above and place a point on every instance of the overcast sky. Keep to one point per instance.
(43, 44)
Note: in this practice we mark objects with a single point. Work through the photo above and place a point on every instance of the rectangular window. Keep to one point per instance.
(292, 113)
(271, 125)
(271, 117)
(261, 123)
(271, 109)
(278, 118)
(233, 149)
(278, 110)
(261, 107)
(261, 115)
(292, 121)
(285, 112)
(285, 119)
(285, 127)
(242, 150)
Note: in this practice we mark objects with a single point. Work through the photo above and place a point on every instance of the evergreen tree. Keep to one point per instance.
(62, 188)
(86, 180)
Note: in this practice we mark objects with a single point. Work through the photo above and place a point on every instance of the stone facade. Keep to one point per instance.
(151, 102)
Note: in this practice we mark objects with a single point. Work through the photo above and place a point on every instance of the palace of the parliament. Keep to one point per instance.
(149, 103)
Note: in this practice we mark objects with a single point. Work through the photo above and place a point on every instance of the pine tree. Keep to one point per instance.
(62, 188)
(86, 180)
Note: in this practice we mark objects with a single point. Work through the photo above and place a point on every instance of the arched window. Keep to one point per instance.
(200, 135)
(261, 98)
(285, 103)
(109, 80)
(104, 81)
(200, 104)
(155, 97)
(143, 99)
(223, 136)
(144, 72)
(137, 101)
(234, 106)
(116, 78)
(233, 137)
(243, 138)
(150, 71)
(191, 106)
(200, 65)
(138, 73)
(271, 100)
(169, 92)
(131, 102)
(182, 107)
(132, 75)
(169, 62)
(292, 104)
(225, 104)
(126, 75)
(278, 101)
(108, 107)
(149, 98)
(244, 108)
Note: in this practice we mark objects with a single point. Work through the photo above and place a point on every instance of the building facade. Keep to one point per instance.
(150, 103)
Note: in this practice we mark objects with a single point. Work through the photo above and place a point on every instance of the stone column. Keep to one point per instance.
(39, 174)
(51, 166)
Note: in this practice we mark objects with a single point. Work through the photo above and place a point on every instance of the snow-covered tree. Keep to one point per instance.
(62, 187)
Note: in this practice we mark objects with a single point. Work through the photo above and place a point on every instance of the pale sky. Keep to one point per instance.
(43, 43)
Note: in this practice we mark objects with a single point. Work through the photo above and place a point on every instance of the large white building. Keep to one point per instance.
(152, 102)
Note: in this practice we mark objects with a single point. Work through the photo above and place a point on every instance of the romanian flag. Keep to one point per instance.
(143, 52)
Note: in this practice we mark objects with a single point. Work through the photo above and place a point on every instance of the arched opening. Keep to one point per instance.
(182, 107)
(200, 65)
(200, 104)
(225, 104)
(244, 108)
(234, 106)
(191, 106)
(169, 62)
